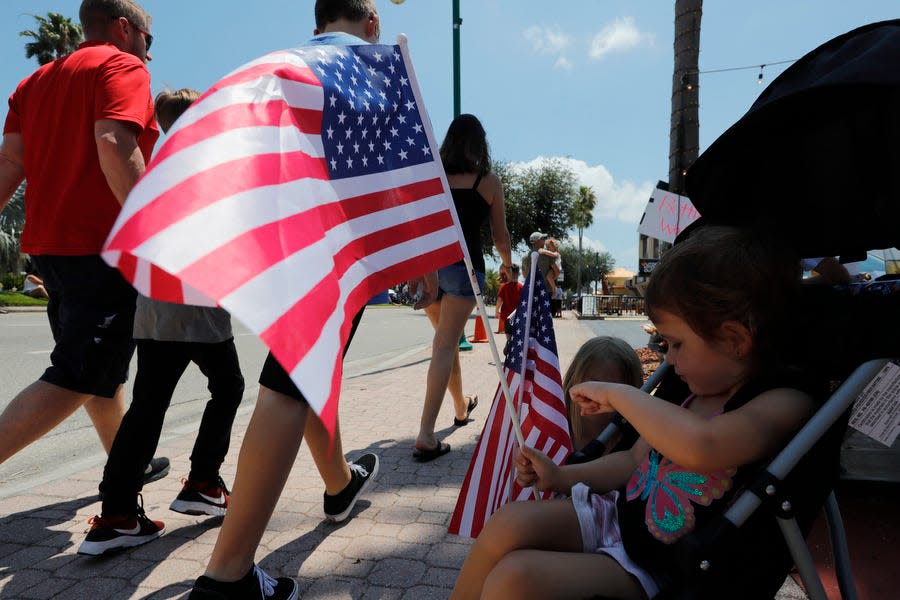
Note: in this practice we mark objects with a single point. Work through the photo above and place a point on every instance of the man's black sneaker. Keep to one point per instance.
(362, 473)
(109, 534)
(255, 585)
(157, 469)
(202, 498)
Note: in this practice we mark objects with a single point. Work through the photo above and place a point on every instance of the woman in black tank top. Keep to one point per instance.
(478, 196)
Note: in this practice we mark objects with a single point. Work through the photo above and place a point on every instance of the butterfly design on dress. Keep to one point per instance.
(668, 491)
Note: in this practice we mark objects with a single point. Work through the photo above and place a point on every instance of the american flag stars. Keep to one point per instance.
(541, 325)
(370, 121)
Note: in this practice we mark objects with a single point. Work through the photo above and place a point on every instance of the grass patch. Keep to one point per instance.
(19, 299)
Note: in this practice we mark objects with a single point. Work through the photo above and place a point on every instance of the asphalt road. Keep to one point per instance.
(388, 337)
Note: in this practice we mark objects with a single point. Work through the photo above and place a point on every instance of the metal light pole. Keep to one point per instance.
(457, 24)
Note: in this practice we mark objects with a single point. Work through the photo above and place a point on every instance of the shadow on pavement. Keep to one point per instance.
(408, 555)
(38, 559)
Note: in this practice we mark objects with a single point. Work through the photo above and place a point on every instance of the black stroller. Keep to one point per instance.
(816, 160)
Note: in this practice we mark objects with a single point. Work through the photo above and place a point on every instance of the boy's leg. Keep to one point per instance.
(328, 456)
(219, 363)
(344, 482)
(160, 366)
(267, 454)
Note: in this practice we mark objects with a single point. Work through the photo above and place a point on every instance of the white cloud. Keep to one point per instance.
(563, 63)
(623, 200)
(620, 35)
(588, 243)
(552, 41)
(547, 39)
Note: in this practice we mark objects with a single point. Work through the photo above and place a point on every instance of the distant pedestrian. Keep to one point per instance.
(169, 337)
(478, 197)
(80, 129)
(508, 298)
(556, 302)
(33, 287)
(555, 275)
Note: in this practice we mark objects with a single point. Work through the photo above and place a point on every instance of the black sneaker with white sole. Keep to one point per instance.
(255, 585)
(156, 469)
(362, 473)
(202, 498)
(108, 534)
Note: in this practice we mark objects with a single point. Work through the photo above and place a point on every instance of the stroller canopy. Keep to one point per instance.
(816, 159)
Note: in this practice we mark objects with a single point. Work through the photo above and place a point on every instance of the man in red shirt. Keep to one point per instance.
(80, 130)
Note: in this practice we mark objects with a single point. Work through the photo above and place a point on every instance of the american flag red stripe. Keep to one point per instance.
(271, 199)
(540, 408)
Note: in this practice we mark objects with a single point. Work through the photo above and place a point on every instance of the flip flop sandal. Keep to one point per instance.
(473, 402)
(433, 453)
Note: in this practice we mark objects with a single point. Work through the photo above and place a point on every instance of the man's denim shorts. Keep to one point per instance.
(454, 281)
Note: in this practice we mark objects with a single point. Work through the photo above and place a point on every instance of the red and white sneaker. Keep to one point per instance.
(110, 534)
(202, 498)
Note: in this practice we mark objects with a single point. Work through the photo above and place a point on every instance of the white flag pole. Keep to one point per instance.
(532, 271)
(479, 298)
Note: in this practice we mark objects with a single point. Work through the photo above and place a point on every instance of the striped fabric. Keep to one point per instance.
(490, 480)
(295, 189)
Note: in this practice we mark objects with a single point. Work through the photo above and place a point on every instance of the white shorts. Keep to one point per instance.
(599, 521)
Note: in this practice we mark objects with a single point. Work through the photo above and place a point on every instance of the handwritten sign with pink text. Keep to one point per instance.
(667, 215)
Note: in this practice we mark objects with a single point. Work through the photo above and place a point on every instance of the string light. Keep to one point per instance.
(686, 82)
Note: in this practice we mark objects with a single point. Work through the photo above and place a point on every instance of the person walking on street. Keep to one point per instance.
(280, 420)
(98, 100)
(169, 337)
(478, 197)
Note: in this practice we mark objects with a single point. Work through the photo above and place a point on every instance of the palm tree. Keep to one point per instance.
(55, 37)
(684, 131)
(12, 220)
(583, 217)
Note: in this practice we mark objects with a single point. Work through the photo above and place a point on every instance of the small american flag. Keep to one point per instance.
(295, 189)
(490, 481)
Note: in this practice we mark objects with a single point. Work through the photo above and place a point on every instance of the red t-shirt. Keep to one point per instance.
(69, 207)
(509, 293)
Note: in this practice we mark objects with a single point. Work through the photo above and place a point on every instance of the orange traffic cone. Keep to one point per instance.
(501, 325)
(480, 332)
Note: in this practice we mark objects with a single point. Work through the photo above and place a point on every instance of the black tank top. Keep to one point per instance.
(473, 211)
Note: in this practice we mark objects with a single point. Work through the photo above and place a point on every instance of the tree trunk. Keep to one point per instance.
(684, 134)
(578, 276)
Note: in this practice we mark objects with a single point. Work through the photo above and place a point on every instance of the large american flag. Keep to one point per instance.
(295, 189)
(541, 409)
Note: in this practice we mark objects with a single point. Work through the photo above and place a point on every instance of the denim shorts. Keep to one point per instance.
(453, 280)
(91, 314)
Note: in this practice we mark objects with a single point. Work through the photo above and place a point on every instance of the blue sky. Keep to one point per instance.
(590, 84)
